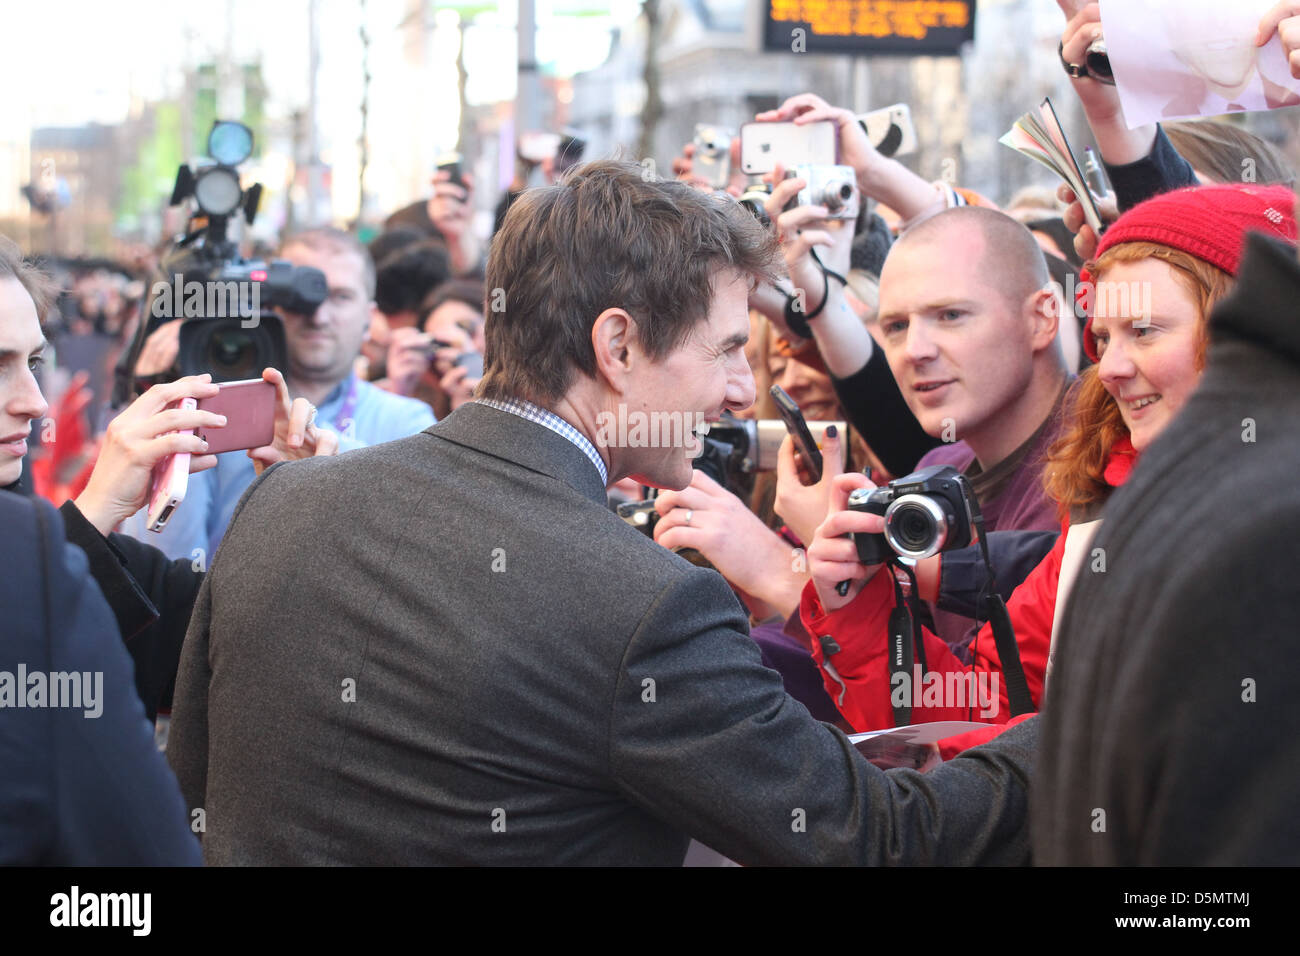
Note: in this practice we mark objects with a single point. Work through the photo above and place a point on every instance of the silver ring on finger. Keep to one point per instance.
(690, 513)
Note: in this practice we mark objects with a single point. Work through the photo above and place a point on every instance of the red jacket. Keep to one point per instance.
(861, 629)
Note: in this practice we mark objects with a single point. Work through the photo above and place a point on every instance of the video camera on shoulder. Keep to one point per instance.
(224, 301)
(925, 512)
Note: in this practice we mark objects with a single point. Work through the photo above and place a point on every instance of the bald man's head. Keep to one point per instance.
(1008, 255)
(968, 323)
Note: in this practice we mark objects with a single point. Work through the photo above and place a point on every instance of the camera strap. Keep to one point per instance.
(906, 645)
(1004, 635)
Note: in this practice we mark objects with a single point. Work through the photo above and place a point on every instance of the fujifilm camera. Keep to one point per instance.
(925, 512)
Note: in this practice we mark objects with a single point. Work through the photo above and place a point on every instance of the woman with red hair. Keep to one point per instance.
(1158, 272)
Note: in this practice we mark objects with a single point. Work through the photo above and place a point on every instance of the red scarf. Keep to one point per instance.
(1123, 456)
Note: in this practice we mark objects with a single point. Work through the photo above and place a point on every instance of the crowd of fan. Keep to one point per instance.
(935, 333)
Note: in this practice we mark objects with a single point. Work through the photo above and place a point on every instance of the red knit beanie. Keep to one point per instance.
(1208, 222)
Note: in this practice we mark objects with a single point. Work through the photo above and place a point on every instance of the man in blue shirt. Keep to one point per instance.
(322, 348)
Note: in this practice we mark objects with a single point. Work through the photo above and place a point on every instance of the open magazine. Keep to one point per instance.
(1039, 136)
(915, 747)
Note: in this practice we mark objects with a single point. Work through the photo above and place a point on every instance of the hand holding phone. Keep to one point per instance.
(798, 429)
(171, 477)
(249, 407)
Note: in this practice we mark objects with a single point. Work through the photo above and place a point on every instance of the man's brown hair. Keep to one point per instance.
(39, 286)
(606, 237)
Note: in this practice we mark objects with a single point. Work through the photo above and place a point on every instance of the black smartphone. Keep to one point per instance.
(798, 429)
(450, 163)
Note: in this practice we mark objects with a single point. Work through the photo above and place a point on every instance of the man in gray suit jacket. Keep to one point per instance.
(498, 669)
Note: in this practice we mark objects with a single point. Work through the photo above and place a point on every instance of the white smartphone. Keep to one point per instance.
(171, 478)
(763, 145)
(890, 129)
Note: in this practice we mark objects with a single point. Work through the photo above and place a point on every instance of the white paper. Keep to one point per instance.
(927, 733)
(1174, 59)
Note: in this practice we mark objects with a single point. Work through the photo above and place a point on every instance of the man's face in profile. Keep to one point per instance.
(323, 346)
(699, 380)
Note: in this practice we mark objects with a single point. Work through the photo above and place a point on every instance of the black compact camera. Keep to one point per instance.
(223, 301)
(926, 512)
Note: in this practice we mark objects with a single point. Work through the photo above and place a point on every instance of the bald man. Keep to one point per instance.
(968, 320)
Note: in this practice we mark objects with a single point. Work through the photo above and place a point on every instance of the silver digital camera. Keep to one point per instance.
(712, 162)
(835, 187)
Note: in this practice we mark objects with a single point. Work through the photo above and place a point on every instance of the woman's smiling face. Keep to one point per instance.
(1148, 340)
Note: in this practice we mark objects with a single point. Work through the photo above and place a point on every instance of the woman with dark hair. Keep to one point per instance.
(1158, 273)
(150, 595)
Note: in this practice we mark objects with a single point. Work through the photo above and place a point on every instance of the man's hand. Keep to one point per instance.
(451, 210)
(296, 434)
(797, 242)
(137, 440)
(1085, 239)
(158, 355)
(803, 506)
(710, 519)
(855, 148)
(1284, 20)
(684, 169)
(832, 556)
(1119, 145)
(458, 386)
(408, 360)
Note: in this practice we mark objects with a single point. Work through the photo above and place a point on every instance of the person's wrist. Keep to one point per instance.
(102, 517)
(791, 592)
(872, 172)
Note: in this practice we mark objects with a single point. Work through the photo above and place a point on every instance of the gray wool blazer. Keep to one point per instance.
(446, 649)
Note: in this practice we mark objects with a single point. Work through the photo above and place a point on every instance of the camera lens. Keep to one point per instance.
(916, 527)
(836, 195)
(233, 354)
(227, 349)
(1098, 61)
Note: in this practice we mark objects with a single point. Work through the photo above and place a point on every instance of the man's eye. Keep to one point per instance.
(36, 362)
(952, 314)
(893, 328)
(341, 295)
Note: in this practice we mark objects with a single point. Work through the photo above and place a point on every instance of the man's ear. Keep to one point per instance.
(1044, 309)
(612, 337)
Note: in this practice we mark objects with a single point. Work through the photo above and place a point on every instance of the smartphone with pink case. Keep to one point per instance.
(249, 407)
(171, 479)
